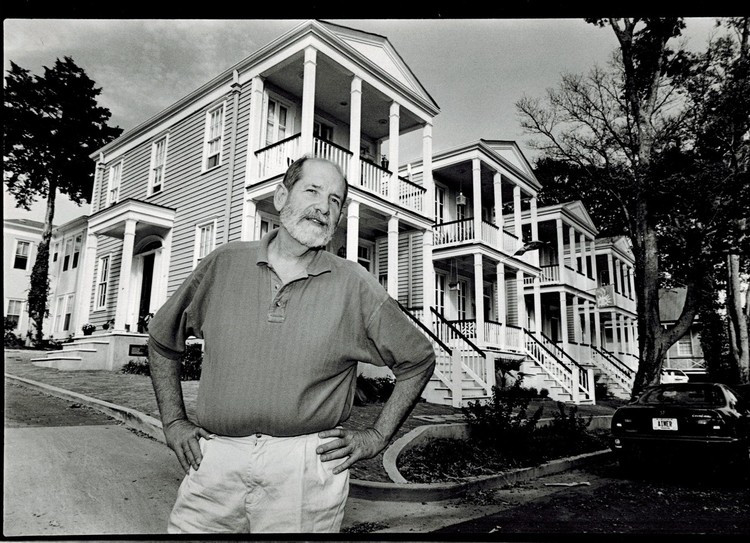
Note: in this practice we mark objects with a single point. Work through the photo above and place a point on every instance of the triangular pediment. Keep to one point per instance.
(379, 51)
(510, 151)
(576, 209)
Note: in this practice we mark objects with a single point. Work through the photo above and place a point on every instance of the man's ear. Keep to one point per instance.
(280, 196)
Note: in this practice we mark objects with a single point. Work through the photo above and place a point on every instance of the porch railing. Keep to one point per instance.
(473, 361)
(274, 159)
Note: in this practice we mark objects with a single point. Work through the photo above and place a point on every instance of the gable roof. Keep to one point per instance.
(509, 150)
(25, 222)
(379, 51)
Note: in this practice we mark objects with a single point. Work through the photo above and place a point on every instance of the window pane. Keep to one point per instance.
(22, 255)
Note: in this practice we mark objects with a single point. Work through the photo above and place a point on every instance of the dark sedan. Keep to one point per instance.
(705, 424)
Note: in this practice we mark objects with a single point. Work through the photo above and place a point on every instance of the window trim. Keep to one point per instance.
(152, 165)
(290, 117)
(197, 243)
(22, 304)
(110, 185)
(28, 256)
(206, 128)
(100, 282)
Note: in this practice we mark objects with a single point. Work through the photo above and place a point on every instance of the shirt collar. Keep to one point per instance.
(318, 265)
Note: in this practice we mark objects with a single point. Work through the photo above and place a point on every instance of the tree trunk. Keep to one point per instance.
(39, 287)
(737, 317)
(647, 295)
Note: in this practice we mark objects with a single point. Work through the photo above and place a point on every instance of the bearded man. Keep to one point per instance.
(284, 324)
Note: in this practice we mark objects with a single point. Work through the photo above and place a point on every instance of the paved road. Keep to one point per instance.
(69, 470)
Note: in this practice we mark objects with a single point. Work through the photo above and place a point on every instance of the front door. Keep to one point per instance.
(147, 281)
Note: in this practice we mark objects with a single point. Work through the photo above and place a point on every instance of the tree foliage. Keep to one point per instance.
(646, 144)
(52, 123)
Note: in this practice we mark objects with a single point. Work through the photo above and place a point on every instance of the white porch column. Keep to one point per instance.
(521, 301)
(517, 214)
(564, 318)
(166, 258)
(428, 278)
(428, 206)
(584, 259)
(83, 301)
(576, 320)
(393, 143)
(476, 196)
(617, 332)
(254, 132)
(248, 220)
(597, 327)
(634, 336)
(497, 187)
(537, 304)
(631, 281)
(610, 269)
(500, 302)
(126, 265)
(560, 245)
(355, 130)
(393, 257)
(573, 249)
(308, 100)
(479, 296)
(352, 231)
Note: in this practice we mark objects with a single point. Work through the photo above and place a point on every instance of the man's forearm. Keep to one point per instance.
(403, 398)
(165, 376)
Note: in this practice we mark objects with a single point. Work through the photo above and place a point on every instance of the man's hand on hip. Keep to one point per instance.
(354, 444)
(182, 437)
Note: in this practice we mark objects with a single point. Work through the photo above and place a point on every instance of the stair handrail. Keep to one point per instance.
(543, 346)
(565, 354)
(424, 328)
(458, 332)
(616, 362)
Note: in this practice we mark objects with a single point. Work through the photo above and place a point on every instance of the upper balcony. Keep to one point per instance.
(555, 275)
(463, 232)
(274, 159)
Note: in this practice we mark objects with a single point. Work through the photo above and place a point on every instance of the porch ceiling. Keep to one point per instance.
(150, 219)
(332, 95)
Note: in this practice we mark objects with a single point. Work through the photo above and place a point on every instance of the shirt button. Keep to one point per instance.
(278, 304)
(276, 287)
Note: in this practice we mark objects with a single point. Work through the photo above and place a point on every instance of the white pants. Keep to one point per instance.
(260, 484)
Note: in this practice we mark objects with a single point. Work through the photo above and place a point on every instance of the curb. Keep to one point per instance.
(402, 490)
(132, 418)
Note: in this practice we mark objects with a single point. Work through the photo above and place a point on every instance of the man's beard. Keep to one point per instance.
(305, 231)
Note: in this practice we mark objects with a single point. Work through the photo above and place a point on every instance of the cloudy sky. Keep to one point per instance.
(475, 69)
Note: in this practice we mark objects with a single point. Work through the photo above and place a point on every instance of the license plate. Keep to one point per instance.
(665, 424)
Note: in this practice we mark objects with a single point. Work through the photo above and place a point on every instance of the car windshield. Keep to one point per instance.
(704, 395)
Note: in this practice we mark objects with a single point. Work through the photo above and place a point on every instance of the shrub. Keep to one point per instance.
(373, 390)
(10, 339)
(191, 363)
(544, 393)
(137, 367)
(503, 423)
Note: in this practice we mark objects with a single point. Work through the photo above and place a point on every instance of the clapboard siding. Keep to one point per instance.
(240, 164)
(113, 248)
(511, 301)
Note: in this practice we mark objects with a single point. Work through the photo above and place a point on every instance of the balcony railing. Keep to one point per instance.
(497, 335)
(274, 159)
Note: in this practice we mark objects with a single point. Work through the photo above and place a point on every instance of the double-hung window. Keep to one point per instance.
(13, 315)
(205, 240)
(113, 190)
(68, 254)
(102, 282)
(214, 138)
(77, 250)
(21, 260)
(277, 121)
(158, 164)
